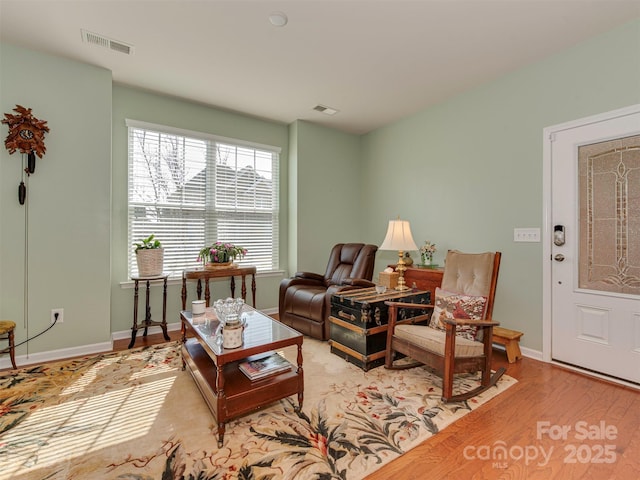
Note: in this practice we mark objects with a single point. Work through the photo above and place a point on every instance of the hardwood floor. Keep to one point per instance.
(141, 341)
(601, 437)
(600, 421)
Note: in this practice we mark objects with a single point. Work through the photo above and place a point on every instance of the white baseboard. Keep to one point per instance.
(42, 357)
(52, 355)
(526, 352)
(531, 353)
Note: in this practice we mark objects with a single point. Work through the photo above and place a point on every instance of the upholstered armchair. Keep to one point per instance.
(458, 337)
(305, 298)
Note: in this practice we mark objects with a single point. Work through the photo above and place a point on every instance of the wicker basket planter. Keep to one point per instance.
(214, 266)
(150, 262)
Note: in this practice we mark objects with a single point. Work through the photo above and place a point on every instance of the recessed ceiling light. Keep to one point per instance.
(278, 19)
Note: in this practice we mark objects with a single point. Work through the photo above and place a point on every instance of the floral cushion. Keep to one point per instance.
(455, 305)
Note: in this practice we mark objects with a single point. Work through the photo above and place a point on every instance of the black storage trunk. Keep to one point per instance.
(358, 329)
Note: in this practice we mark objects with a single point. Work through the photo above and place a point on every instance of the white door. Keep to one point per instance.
(595, 273)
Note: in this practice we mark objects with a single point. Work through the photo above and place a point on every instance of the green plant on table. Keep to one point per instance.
(148, 243)
(221, 252)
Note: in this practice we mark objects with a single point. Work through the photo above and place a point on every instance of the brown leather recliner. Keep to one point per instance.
(305, 298)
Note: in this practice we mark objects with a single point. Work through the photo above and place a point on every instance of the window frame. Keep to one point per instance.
(213, 143)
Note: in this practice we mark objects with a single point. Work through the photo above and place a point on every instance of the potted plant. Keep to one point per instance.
(150, 257)
(220, 254)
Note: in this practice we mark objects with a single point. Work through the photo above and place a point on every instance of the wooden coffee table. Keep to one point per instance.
(227, 391)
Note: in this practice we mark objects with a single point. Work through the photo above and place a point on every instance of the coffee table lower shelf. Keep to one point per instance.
(238, 395)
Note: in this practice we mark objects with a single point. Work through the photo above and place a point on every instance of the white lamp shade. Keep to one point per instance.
(398, 237)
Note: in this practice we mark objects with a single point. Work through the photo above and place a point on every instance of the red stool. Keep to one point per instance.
(6, 333)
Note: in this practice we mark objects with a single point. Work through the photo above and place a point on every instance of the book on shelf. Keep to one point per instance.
(258, 368)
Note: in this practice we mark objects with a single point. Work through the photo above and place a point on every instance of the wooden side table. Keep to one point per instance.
(147, 322)
(205, 274)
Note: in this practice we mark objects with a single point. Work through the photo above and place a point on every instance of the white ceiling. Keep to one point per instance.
(375, 61)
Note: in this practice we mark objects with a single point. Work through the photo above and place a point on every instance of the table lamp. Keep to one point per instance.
(399, 238)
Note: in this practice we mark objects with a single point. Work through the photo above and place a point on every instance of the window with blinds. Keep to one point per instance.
(192, 189)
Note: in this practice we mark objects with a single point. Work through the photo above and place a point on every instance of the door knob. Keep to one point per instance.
(559, 257)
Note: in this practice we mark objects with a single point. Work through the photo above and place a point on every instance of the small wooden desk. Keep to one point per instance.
(147, 322)
(205, 274)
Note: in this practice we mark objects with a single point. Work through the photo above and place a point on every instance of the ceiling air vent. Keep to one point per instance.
(326, 110)
(102, 41)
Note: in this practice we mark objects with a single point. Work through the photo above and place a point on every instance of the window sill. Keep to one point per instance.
(176, 278)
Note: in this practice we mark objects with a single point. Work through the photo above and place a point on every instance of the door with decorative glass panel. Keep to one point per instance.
(595, 243)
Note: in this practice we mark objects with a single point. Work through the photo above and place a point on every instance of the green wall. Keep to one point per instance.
(466, 172)
(327, 189)
(65, 224)
(144, 106)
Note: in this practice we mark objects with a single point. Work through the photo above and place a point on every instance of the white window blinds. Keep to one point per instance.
(191, 189)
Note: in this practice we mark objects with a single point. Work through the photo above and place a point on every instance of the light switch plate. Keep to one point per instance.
(526, 234)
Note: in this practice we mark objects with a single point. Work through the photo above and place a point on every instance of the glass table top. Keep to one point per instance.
(259, 330)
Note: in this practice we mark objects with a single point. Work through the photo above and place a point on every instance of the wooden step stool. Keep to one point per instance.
(510, 339)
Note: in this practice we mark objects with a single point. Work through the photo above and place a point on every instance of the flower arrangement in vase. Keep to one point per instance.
(221, 254)
(426, 252)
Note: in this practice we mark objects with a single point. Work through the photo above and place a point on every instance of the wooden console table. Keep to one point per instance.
(205, 274)
(425, 279)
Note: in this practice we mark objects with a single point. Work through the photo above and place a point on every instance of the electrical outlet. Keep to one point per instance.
(60, 312)
(526, 234)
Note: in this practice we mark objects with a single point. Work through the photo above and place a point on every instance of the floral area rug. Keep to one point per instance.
(138, 415)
